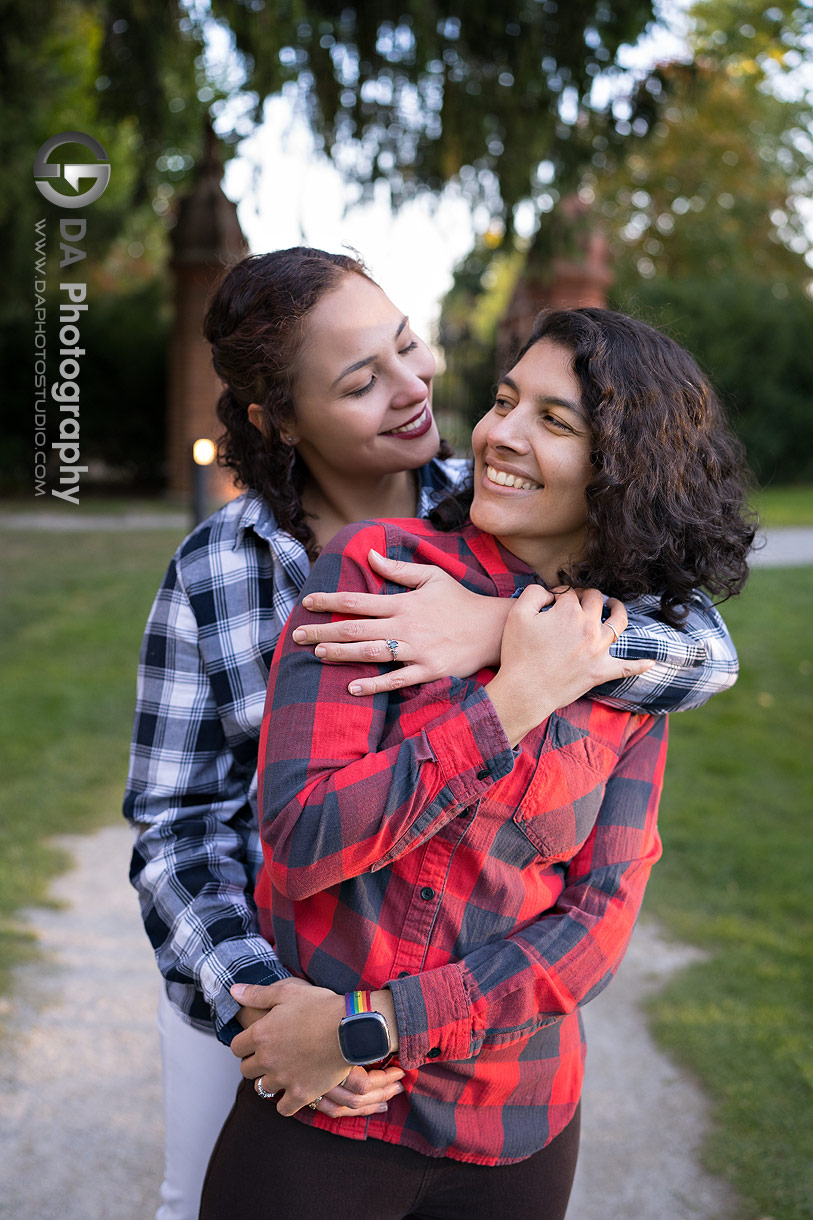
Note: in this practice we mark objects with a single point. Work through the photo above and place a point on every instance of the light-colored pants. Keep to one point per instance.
(201, 1076)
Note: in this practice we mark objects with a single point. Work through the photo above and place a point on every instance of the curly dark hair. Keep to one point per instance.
(667, 508)
(256, 324)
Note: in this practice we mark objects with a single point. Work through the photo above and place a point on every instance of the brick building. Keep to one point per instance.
(206, 238)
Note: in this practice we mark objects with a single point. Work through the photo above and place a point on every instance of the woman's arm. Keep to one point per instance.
(334, 803)
(503, 992)
(444, 628)
(189, 800)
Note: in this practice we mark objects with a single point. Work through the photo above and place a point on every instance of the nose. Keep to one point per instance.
(414, 381)
(507, 432)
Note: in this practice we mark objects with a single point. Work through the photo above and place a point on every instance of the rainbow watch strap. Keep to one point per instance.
(357, 1001)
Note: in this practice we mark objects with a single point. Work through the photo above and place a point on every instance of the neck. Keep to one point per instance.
(546, 561)
(335, 503)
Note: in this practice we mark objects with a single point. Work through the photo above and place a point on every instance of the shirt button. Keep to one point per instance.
(427, 893)
(403, 974)
(464, 813)
(433, 1054)
(484, 774)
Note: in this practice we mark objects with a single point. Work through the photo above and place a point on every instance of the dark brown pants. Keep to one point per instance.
(265, 1167)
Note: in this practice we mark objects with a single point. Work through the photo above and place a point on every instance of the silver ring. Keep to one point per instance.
(313, 1104)
(260, 1091)
(615, 633)
(393, 647)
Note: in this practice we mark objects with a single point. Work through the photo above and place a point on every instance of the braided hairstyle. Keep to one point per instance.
(256, 325)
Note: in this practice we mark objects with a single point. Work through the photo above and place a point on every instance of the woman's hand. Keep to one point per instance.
(293, 1045)
(441, 627)
(555, 648)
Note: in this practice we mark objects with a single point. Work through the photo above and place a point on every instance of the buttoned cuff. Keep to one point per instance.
(243, 960)
(472, 751)
(434, 1017)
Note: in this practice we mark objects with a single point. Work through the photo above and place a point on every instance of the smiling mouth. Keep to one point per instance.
(420, 423)
(510, 480)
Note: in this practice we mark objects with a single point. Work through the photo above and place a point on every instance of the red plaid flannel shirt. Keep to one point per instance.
(493, 890)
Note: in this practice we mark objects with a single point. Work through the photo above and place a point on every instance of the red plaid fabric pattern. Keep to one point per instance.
(493, 890)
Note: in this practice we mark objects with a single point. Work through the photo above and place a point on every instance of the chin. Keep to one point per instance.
(483, 519)
(426, 448)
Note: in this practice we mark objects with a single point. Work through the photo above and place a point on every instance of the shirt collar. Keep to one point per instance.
(257, 515)
(506, 571)
(436, 480)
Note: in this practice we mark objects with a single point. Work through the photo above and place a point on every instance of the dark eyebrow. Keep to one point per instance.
(360, 364)
(543, 400)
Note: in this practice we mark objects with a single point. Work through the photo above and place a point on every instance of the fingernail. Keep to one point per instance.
(307, 602)
(377, 554)
(320, 650)
(299, 635)
(354, 688)
(238, 990)
(399, 1088)
(382, 1109)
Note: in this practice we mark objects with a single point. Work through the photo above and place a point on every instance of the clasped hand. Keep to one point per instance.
(292, 1044)
(443, 628)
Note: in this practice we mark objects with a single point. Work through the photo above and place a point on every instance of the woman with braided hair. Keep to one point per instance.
(326, 406)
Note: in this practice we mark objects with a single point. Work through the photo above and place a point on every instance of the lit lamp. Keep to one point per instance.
(204, 452)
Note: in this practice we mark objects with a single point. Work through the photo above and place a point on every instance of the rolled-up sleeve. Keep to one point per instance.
(694, 661)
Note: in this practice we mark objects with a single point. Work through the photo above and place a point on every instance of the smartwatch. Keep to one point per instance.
(364, 1035)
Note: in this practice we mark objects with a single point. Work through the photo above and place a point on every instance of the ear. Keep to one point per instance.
(255, 415)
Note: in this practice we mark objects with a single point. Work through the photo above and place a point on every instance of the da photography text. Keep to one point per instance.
(59, 314)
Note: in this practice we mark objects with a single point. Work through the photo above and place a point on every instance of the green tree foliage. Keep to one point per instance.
(714, 184)
(756, 349)
(709, 236)
(123, 72)
(699, 189)
(68, 66)
(412, 93)
(416, 93)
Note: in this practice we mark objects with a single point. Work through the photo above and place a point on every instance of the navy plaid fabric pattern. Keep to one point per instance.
(191, 789)
(493, 889)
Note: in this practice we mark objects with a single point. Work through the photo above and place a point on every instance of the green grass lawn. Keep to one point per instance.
(735, 878)
(785, 505)
(72, 613)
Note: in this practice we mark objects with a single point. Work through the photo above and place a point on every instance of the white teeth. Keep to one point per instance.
(510, 480)
(416, 423)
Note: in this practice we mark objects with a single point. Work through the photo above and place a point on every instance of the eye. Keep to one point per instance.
(558, 423)
(409, 348)
(503, 404)
(365, 389)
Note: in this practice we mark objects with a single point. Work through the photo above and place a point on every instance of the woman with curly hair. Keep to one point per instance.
(326, 406)
(451, 871)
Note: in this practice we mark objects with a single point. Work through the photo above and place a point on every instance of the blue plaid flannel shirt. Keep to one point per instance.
(192, 785)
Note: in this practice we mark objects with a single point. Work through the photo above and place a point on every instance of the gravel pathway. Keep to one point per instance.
(80, 1126)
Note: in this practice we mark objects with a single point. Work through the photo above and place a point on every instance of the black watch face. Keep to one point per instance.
(364, 1038)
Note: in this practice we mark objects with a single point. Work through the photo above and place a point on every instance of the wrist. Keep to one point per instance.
(513, 710)
(498, 610)
(364, 1033)
(382, 1002)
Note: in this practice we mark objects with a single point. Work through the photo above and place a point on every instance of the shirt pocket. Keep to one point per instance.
(562, 801)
